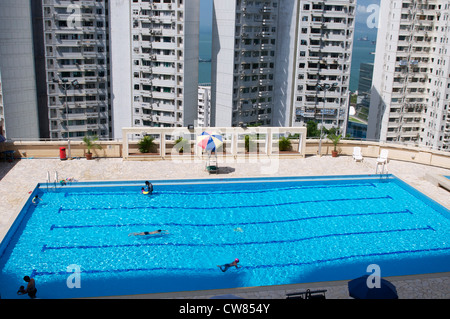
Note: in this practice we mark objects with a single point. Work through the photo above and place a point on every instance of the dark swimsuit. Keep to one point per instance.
(148, 233)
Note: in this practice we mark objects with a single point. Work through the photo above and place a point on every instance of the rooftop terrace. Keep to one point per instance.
(19, 177)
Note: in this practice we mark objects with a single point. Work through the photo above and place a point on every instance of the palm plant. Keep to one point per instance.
(145, 144)
(90, 140)
(335, 139)
(284, 144)
(180, 143)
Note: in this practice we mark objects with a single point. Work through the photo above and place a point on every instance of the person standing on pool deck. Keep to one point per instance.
(226, 266)
(149, 187)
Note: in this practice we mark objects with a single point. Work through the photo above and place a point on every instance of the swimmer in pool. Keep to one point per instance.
(36, 199)
(226, 266)
(159, 231)
(149, 187)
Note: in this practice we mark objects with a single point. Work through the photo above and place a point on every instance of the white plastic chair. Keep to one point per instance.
(382, 158)
(357, 156)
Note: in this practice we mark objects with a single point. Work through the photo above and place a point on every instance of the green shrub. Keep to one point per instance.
(146, 144)
(284, 144)
(180, 143)
(248, 143)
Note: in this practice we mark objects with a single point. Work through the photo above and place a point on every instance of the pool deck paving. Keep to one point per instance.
(20, 177)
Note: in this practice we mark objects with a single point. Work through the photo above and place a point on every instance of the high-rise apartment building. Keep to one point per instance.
(411, 84)
(75, 35)
(323, 63)
(271, 59)
(154, 63)
(244, 52)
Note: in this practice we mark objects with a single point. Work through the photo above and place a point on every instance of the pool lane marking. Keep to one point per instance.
(45, 247)
(214, 269)
(224, 192)
(407, 211)
(228, 207)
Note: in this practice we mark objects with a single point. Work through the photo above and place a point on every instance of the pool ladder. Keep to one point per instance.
(55, 182)
(383, 171)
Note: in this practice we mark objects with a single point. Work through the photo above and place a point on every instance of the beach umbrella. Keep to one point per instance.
(209, 141)
(359, 289)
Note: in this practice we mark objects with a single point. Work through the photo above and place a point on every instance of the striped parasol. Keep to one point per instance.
(209, 141)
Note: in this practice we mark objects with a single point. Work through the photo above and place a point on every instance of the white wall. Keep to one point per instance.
(18, 73)
(191, 56)
(285, 63)
(224, 13)
(377, 104)
(121, 63)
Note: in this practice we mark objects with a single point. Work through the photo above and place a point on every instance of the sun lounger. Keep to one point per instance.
(308, 294)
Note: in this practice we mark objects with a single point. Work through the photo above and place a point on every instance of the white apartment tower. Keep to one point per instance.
(270, 56)
(323, 62)
(76, 58)
(154, 63)
(411, 84)
(243, 61)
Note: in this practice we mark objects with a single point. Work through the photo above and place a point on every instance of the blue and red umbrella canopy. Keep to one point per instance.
(209, 141)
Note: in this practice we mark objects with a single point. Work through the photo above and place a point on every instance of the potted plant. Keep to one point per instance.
(249, 144)
(284, 144)
(90, 143)
(180, 143)
(335, 139)
(146, 144)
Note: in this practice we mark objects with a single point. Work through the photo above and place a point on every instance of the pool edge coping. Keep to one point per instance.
(300, 286)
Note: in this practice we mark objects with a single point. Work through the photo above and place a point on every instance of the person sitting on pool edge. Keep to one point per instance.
(149, 233)
(226, 266)
(31, 288)
(149, 188)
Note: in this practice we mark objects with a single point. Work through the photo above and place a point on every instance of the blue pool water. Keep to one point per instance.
(284, 231)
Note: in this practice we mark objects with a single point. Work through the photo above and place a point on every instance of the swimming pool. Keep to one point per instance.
(283, 230)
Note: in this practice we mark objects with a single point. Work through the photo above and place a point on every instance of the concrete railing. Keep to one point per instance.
(301, 147)
(396, 152)
(264, 141)
(50, 149)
